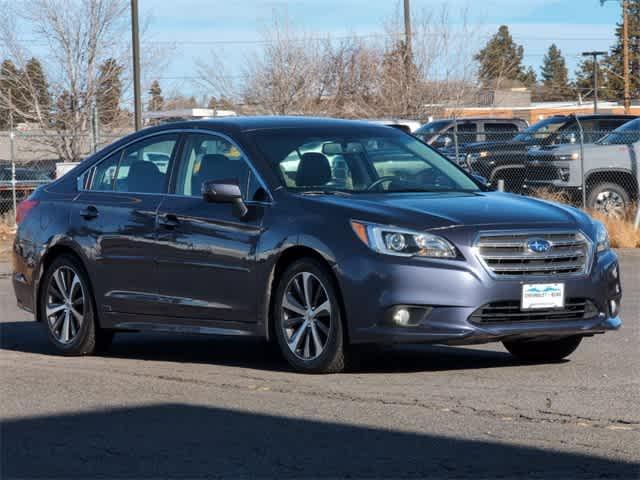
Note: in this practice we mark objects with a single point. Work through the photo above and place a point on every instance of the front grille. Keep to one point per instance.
(510, 311)
(508, 254)
(542, 174)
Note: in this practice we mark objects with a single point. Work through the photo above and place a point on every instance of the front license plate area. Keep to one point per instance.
(538, 296)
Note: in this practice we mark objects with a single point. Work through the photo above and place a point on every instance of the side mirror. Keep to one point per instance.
(572, 138)
(226, 191)
(446, 141)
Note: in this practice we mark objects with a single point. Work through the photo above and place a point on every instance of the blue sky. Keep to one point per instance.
(189, 25)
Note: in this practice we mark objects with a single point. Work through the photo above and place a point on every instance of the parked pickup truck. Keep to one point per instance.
(610, 170)
(506, 160)
(27, 180)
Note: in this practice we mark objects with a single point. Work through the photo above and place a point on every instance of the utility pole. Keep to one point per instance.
(625, 55)
(135, 44)
(596, 71)
(407, 25)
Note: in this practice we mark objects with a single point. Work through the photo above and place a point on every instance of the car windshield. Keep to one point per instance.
(624, 135)
(379, 160)
(431, 129)
(541, 130)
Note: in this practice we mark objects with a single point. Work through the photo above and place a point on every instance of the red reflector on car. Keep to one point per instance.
(23, 209)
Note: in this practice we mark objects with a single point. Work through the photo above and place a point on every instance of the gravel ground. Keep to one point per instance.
(180, 406)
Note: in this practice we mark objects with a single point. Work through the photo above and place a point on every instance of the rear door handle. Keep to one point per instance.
(89, 212)
(168, 221)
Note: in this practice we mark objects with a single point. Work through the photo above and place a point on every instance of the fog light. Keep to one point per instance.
(402, 317)
(613, 308)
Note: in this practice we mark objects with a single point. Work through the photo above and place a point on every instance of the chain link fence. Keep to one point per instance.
(596, 170)
(30, 159)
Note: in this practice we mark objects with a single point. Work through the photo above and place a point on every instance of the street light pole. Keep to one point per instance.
(595, 56)
(135, 46)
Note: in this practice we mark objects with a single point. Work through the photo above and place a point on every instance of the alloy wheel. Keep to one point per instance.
(610, 203)
(306, 316)
(65, 304)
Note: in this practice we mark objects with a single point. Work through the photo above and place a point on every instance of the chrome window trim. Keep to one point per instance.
(90, 170)
(589, 261)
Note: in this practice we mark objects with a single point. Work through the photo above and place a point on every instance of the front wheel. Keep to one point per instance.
(67, 310)
(609, 199)
(308, 320)
(542, 350)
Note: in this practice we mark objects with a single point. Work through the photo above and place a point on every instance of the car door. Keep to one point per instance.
(207, 257)
(116, 215)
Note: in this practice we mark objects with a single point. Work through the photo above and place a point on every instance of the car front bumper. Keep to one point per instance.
(453, 291)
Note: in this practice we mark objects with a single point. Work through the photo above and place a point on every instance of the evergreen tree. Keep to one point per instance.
(614, 62)
(529, 78)
(40, 99)
(500, 59)
(156, 101)
(584, 80)
(555, 76)
(109, 91)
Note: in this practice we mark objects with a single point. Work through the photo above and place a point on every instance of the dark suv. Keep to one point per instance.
(314, 233)
(444, 134)
(506, 160)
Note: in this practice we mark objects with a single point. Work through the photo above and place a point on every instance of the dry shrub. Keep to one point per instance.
(622, 231)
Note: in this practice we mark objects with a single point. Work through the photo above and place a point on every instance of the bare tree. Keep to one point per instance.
(78, 36)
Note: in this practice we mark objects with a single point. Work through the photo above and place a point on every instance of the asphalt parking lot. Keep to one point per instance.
(167, 406)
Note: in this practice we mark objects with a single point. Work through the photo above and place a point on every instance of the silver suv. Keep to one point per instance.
(610, 169)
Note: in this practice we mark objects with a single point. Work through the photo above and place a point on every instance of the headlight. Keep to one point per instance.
(568, 156)
(602, 237)
(472, 157)
(402, 243)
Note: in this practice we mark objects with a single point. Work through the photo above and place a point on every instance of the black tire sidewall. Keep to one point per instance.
(333, 352)
(84, 342)
(544, 350)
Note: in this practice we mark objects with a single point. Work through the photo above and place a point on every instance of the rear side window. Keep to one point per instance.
(608, 125)
(140, 168)
(467, 132)
(105, 173)
(500, 131)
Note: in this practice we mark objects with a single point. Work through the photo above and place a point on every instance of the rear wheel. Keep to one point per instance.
(543, 350)
(308, 320)
(67, 310)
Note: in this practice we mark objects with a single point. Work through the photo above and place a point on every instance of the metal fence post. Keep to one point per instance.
(13, 175)
(583, 186)
(500, 185)
(637, 222)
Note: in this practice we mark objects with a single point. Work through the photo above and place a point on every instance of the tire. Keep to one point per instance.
(316, 334)
(69, 318)
(543, 350)
(609, 199)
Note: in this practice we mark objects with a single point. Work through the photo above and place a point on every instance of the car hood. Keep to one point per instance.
(511, 145)
(445, 210)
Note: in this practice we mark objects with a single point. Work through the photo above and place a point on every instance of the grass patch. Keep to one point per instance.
(622, 231)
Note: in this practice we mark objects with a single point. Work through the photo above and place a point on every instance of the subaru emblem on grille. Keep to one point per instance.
(538, 245)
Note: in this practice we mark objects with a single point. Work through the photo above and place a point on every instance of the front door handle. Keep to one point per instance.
(168, 221)
(89, 212)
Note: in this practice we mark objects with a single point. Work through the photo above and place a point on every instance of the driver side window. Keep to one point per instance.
(210, 158)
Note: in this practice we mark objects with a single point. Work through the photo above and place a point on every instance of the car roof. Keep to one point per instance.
(270, 122)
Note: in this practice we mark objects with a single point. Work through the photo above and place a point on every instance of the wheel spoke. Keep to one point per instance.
(55, 323)
(323, 328)
(294, 341)
(307, 344)
(307, 289)
(78, 316)
(75, 283)
(316, 339)
(324, 309)
(293, 305)
(54, 308)
(292, 322)
(61, 286)
(66, 327)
